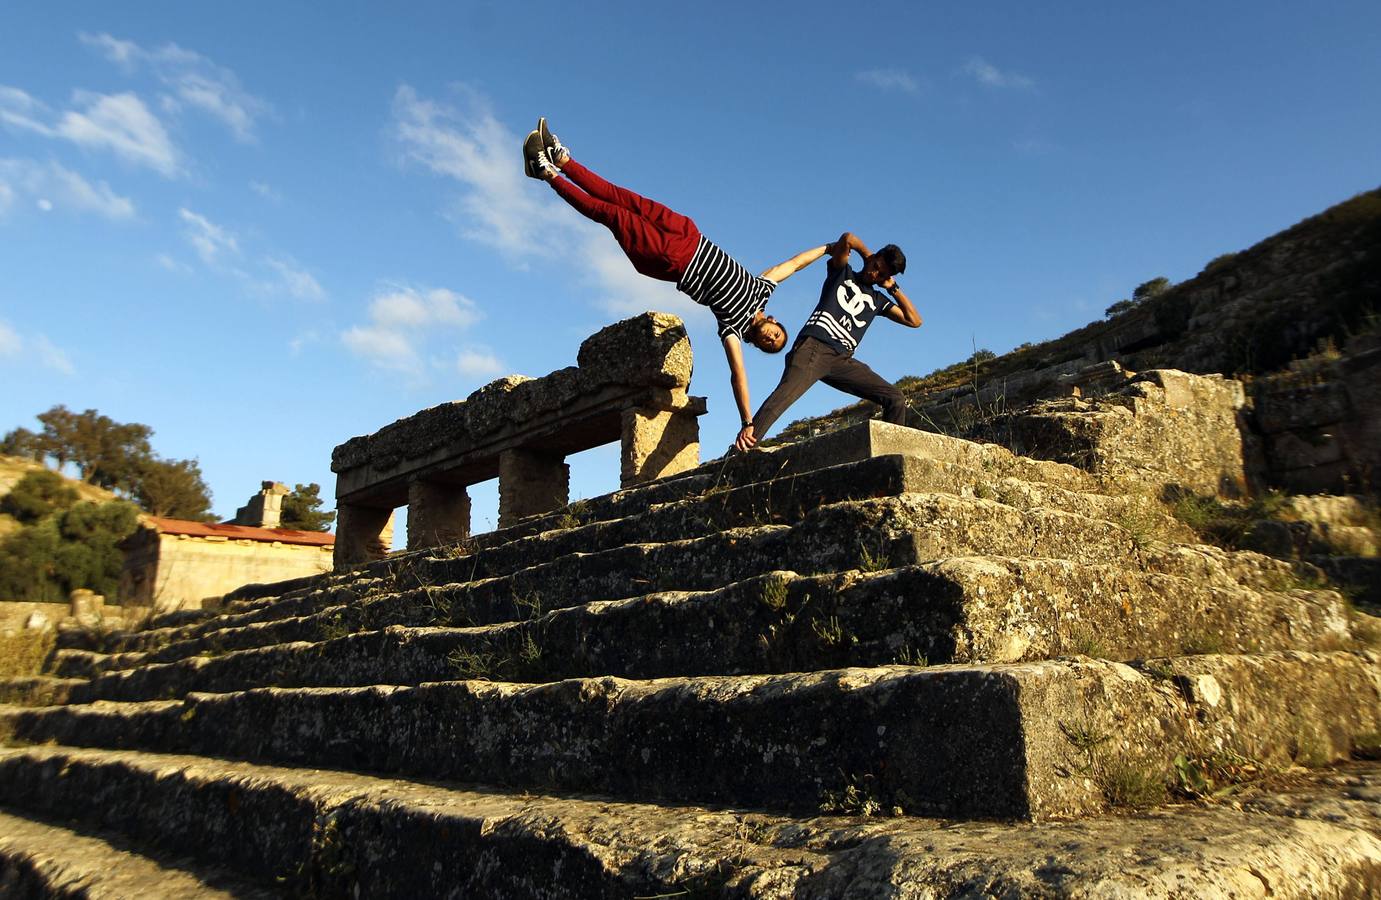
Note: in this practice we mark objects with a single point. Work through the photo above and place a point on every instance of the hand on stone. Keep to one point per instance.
(745, 441)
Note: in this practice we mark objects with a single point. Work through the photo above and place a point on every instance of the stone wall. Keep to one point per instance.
(1320, 421)
(1163, 430)
(171, 571)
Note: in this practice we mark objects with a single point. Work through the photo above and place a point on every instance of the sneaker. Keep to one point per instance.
(536, 162)
(555, 149)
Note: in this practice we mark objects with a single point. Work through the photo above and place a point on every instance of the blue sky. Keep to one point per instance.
(262, 229)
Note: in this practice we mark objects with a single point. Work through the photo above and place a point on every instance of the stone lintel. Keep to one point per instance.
(531, 482)
(592, 423)
(438, 514)
(363, 534)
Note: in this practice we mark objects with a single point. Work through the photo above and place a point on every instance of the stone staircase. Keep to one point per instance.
(880, 662)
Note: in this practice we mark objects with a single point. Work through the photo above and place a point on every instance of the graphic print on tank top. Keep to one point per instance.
(845, 310)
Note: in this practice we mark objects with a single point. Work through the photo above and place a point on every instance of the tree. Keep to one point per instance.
(89, 556)
(302, 509)
(174, 488)
(1148, 289)
(1119, 307)
(106, 452)
(980, 356)
(22, 442)
(78, 548)
(36, 495)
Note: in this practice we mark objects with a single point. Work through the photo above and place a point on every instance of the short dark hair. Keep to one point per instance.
(895, 259)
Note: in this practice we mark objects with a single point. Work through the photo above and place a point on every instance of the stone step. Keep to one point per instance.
(871, 534)
(331, 833)
(38, 690)
(780, 500)
(41, 858)
(1033, 740)
(859, 443)
(974, 609)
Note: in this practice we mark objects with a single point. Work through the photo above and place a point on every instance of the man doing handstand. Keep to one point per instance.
(824, 349)
(668, 246)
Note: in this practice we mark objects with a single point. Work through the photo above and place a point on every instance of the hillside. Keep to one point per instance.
(14, 468)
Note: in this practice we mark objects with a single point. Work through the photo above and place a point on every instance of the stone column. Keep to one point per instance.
(658, 442)
(363, 534)
(437, 514)
(531, 483)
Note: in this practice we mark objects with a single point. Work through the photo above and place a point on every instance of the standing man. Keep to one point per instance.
(668, 246)
(824, 350)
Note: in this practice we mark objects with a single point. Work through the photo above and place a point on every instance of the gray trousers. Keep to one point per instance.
(811, 361)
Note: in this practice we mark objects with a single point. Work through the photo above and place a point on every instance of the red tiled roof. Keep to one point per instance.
(241, 532)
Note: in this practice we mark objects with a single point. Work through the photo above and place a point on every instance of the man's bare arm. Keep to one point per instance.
(903, 312)
(784, 270)
(839, 250)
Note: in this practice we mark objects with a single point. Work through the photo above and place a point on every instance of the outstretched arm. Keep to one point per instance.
(839, 250)
(738, 378)
(784, 270)
(903, 312)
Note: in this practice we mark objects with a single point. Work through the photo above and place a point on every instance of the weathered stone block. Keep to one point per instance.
(1303, 449)
(438, 514)
(363, 534)
(1293, 408)
(648, 349)
(657, 443)
(531, 483)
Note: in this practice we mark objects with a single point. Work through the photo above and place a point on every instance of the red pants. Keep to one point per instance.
(659, 242)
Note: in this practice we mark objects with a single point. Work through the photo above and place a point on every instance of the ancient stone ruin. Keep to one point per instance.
(629, 385)
(876, 662)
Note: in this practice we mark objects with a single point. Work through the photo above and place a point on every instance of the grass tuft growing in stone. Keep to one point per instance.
(24, 653)
(1126, 785)
(1084, 641)
(909, 656)
(1200, 643)
(773, 594)
(868, 561)
(1214, 775)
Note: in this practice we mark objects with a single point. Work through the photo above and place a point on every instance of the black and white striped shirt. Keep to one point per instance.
(717, 280)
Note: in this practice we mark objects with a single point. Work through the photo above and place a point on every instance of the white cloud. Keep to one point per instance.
(18, 110)
(208, 239)
(122, 53)
(411, 308)
(265, 191)
(123, 124)
(989, 75)
(402, 319)
(890, 80)
(195, 81)
(53, 357)
(386, 349)
(295, 280)
(51, 186)
(173, 265)
(502, 208)
(296, 345)
(476, 363)
(10, 341)
(48, 354)
(6, 197)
